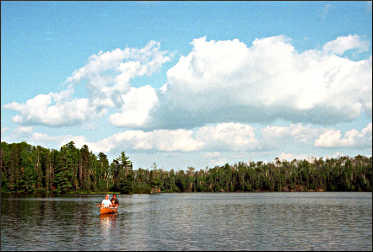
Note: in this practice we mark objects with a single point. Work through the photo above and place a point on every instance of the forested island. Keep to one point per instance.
(29, 169)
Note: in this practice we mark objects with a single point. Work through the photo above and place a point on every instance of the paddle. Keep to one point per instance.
(100, 205)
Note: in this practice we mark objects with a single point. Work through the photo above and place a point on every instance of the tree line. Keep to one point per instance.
(29, 169)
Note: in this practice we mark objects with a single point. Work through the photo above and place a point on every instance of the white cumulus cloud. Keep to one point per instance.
(52, 109)
(344, 43)
(222, 81)
(138, 103)
(217, 82)
(228, 136)
(220, 137)
(108, 75)
(225, 136)
(290, 157)
(276, 136)
(351, 138)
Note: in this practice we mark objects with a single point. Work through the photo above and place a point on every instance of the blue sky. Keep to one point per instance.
(189, 83)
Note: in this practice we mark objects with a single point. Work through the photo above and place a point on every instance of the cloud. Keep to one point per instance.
(176, 140)
(220, 137)
(345, 43)
(215, 159)
(109, 73)
(108, 76)
(217, 82)
(214, 143)
(4, 129)
(228, 136)
(26, 133)
(352, 138)
(160, 140)
(19, 133)
(290, 157)
(138, 103)
(280, 136)
(23, 130)
(57, 141)
(41, 137)
(225, 136)
(308, 157)
(52, 110)
(225, 81)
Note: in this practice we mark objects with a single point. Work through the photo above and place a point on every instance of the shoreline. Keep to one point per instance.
(20, 194)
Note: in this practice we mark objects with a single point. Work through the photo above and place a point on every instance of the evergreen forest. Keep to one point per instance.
(29, 169)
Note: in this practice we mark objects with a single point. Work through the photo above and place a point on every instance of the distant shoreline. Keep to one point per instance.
(11, 194)
(27, 169)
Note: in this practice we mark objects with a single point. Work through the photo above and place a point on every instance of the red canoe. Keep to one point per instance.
(108, 210)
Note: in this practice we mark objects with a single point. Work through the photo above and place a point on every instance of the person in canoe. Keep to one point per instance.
(106, 202)
(114, 201)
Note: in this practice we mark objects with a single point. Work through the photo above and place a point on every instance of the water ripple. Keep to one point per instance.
(194, 221)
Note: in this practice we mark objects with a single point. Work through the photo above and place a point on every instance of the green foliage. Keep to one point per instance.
(29, 169)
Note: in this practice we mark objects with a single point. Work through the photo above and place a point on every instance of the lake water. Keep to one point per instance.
(191, 221)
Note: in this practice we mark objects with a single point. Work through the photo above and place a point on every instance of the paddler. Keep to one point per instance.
(114, 201)
(106, 202)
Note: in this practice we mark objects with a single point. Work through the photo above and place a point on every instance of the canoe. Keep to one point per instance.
(108, 210)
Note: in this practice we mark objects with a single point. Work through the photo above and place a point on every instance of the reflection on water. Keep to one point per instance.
(108, 224)
(109, 231)
(194, 221)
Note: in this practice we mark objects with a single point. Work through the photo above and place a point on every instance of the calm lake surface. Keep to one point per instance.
(191, 221)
